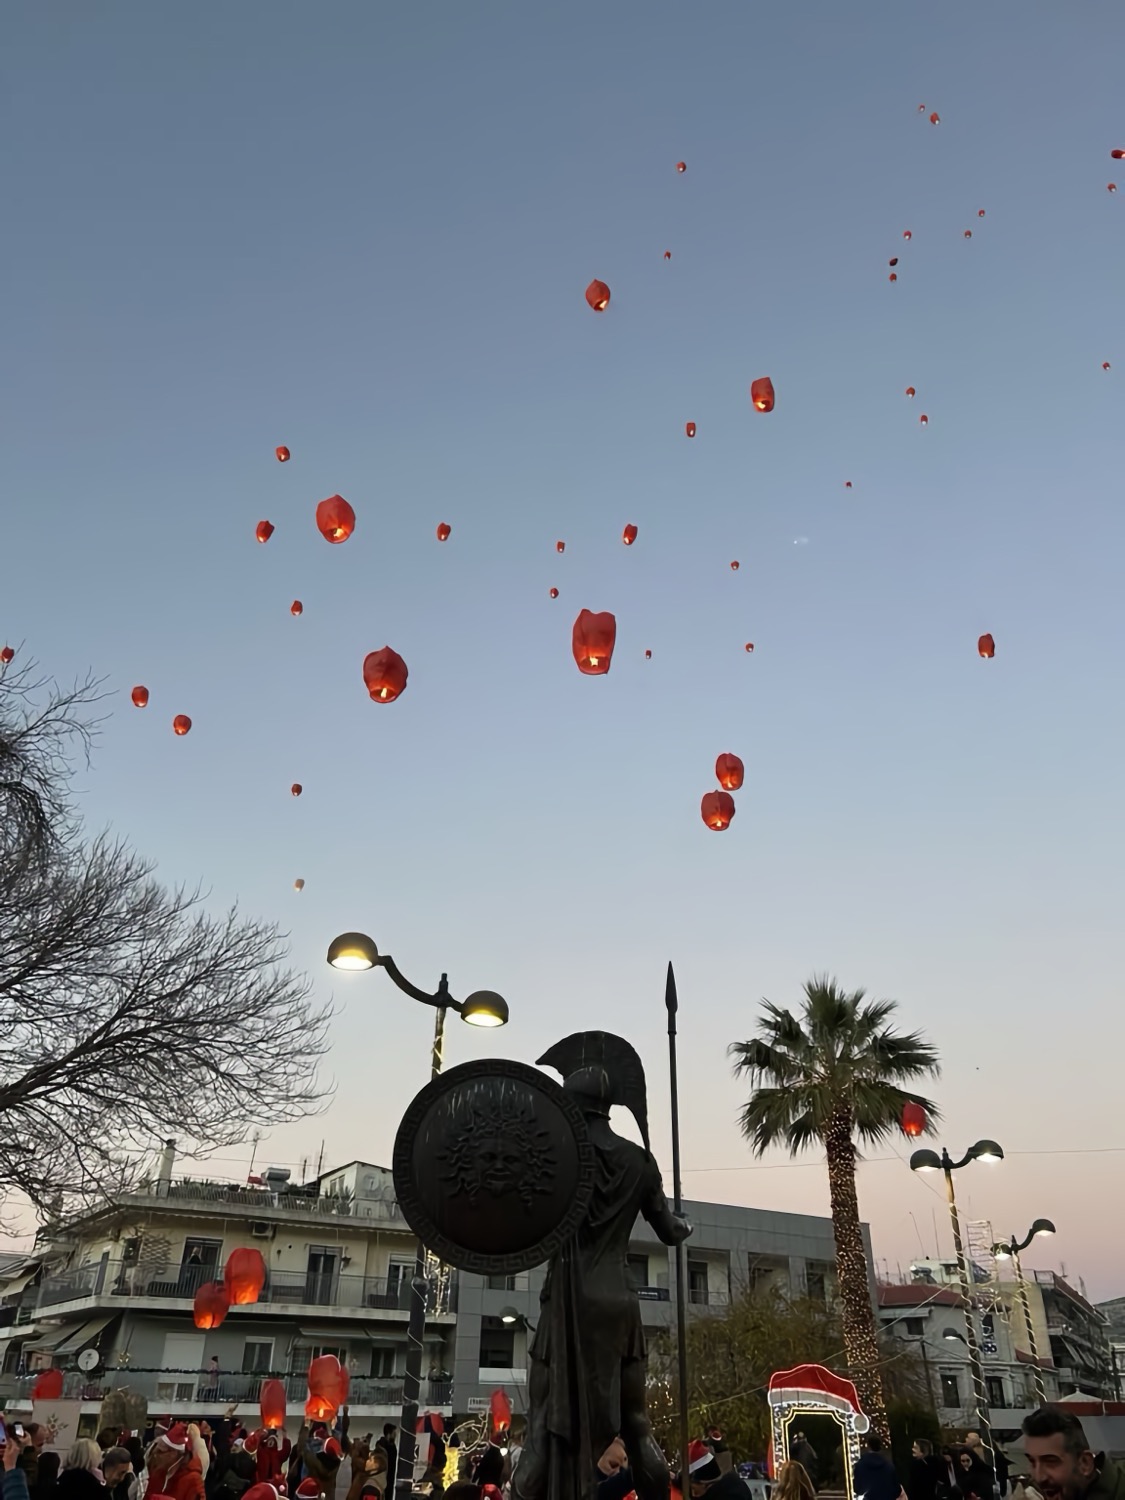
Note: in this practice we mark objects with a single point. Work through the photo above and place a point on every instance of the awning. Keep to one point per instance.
(17, 1331)
(51, 1338)
(18, 1283)
(84, 1334)
(335, 1333)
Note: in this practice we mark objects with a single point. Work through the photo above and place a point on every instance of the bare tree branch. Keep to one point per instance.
(127, 1012)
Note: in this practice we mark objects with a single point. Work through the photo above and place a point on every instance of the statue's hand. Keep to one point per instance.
(684, 1229)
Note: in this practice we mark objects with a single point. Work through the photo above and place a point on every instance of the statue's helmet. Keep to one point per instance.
(592, 1090)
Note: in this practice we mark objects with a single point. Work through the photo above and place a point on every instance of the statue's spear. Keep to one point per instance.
(671, 1002)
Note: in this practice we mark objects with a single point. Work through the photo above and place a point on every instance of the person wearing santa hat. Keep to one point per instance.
(174, 1465)
(271, 1450)
(707, 1478)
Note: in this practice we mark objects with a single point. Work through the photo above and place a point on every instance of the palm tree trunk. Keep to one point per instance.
(857, 1314)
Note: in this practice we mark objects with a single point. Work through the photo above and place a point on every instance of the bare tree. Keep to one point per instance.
(127, 1012)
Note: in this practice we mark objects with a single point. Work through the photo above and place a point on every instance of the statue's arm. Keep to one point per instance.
(670, 1228)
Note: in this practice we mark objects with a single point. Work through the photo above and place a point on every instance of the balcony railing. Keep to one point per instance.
(199, 1388)
(114, 1280)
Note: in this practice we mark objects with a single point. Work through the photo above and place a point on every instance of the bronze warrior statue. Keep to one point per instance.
(587, 1377)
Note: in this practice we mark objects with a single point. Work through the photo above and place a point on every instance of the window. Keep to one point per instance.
(915, 1327)
(304, 1354)
(697, 1281)
(950, 1390)
(321, 1275)
(497, 1345)
(816, 1286)
(383, 1362)
(636, 1270)
(257, 1356)
(200, 1263)
(995, 1387)
(501, 1283)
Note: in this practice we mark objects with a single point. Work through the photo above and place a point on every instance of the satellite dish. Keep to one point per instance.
(89, 1360)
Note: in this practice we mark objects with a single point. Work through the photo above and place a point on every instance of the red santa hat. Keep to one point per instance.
(260, 1492)
(308, 1489)
(176, 1437)
(702, 1465)
(333, 1449)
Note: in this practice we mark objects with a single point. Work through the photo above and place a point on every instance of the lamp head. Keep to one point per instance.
(953, 1337)
(1042, 1226)
(353, 950)
(485, 1008)
(987, 1151)
(925, 1161)
(509, 1315)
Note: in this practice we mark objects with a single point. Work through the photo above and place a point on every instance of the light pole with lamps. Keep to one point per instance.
(929, 1161)
(1011, 1251)
(356, 951)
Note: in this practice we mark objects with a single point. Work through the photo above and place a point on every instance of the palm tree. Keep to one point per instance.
(824, 1076)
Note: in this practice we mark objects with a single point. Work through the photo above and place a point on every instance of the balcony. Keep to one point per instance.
(115, 1284)
(196, 1388)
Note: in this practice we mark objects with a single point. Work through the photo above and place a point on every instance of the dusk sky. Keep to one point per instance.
(365, 231)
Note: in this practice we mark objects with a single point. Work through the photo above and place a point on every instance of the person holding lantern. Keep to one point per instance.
(174, 1464)
(270, 1450)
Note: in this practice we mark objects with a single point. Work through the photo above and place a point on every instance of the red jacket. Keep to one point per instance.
(183, 1481)
(269, 1457)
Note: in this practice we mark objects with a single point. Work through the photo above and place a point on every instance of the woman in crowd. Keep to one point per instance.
(81, 1477)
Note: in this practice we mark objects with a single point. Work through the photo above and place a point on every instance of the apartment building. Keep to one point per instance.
(107, 1296)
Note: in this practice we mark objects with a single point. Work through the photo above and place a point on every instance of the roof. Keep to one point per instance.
(335, 1171)
(918, 1294)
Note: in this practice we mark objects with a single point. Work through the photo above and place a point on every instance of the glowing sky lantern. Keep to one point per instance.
(554, 593)
(443, 531)
(906, 234)
(139, 696)
(924, 419)
(282, 455)
(913, 1119)
(597, 295)
(296, 608)
(592, 642)
(271, 1405)
(980, 213)
(6, 654)
(335, 519)
(1105, 364)
(717, 809)
(968, 234)
(750, 646)
(681, 166)
(910, 391)
(560, 546)
(921, 109)
(734, 567)
(181, 724)
(847, 484)
(244, 1276)
(629, 535)
(1118, 155)
(667, 255)
(761, 393)
(384, 675)
(689, 428)
(935, 118)
(264, 530)
(1111, 187)
(893, 276)
(986, 647)
(328, 1379)
(648, 656)
(893, 261)
(729, 772)
(298, 885)
(211, 1305)
(296, 789)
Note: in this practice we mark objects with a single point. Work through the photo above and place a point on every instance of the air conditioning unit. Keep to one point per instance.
(260, 1230)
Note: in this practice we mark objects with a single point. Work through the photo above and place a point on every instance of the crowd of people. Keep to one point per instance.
(224, 1460)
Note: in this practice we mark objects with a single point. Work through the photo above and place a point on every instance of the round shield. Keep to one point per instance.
(493, 1167)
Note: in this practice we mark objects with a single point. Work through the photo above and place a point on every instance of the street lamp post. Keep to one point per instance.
(1012, 1251)
(929, 1161)
(356, 951)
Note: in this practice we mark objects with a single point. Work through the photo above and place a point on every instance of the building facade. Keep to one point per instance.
(107, 1296)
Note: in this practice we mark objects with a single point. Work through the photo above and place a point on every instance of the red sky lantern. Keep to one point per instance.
(667, 255)
(560, 546)
(298, 885)
(181, 724)
(749, 645)
(1105, 364)
(271, 1404)
(244, 1276)
(761, 393)
(264, 530)
(734, 567)
(1111, 187)
(384, 675)
(980, 213)
(893, 276)
(443, 531)
(296, 789)
(681, 166)
(282, 455)
(335, 519)
(296, 608)
(211, 1305)
(689, 428)
(597, 295)
(319, 1409)
(968, 234)
(554, 593)
(893, 261)
(921, 109)
(729, 772)
(648, 656)
(6, 655)
(907, 235)
(924, 420)
(935, 118)
(910, 392)
(592, 642)
(1118, 155)
(847, 484)
(629, 535)
(716, 810)
(986, 646)
(500, 1409)
(139, 696)
(913, 1119)
(328, 1380)
(48, 1386)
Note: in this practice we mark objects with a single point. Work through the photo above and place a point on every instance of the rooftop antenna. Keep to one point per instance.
(320, 1159)
(255, 1138)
